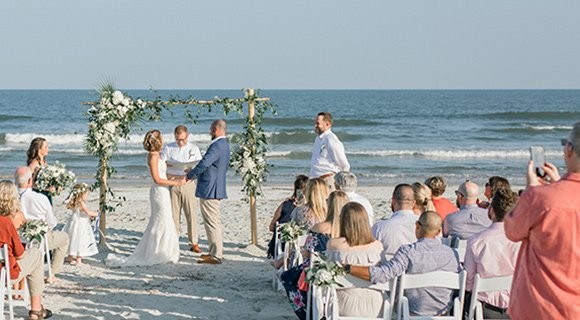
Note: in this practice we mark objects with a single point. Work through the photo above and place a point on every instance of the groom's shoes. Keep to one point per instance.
(195, 248)
(208, 259)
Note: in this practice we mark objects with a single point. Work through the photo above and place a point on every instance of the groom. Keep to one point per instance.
(210, 173)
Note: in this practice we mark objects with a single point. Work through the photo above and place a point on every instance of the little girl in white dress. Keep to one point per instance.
(78, 227)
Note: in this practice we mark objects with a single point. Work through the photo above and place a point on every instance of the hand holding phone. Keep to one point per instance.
(537, 155)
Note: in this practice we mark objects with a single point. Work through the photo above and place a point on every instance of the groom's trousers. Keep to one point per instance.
(210, 210)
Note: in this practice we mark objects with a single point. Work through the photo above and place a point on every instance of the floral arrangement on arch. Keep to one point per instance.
(54, 178)
(324, 272)
(33, 230)
(110, 120)
(249, 154)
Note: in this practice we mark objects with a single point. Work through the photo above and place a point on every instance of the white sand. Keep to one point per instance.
(240, 288)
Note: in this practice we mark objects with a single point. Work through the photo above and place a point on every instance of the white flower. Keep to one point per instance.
(126, 102)
(110, 127)
(117, 97)
(324, 276)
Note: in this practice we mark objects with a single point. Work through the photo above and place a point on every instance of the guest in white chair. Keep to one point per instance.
(23, 263)
(491, 254)
(427, 254)
(37, 207)
(356, 246)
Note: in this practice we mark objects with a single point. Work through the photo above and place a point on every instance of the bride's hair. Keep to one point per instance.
(153, 141)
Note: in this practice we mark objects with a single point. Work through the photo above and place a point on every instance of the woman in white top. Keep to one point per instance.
(356, 246)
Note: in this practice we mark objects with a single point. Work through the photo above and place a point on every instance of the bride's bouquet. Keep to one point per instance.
(54, 178)
(33, 230)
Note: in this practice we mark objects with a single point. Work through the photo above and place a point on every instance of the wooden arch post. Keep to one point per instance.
(253, 216)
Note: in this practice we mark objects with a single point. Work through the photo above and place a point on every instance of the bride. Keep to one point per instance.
(160, 243)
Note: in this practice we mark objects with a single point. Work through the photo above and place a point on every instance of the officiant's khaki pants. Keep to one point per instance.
(210, 211)
(183, 198)
(58, 243)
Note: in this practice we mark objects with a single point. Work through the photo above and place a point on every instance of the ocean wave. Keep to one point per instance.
(309, 122)
(10, 117)
(533, 115)
(451, 154)
(76, 139)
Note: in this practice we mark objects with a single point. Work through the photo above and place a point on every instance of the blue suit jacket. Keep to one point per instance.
(211, 171)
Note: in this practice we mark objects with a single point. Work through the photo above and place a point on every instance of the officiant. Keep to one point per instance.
(180, 157)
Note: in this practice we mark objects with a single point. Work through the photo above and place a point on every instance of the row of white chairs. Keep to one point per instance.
(325, 302)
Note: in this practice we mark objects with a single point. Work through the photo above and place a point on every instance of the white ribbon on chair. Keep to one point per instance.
(327, 299)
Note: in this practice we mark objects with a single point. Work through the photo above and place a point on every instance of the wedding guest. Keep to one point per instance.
(443, 206)
(546, 220)
(399, 229)
(347, 182)
(328, 155)
(284, 211)
(36, 206)
(494, 184)
(427, 254)
(314, 209)
(316, 241)
(182, 197)
(82, 239)
(470, 219)
(356, 246)
(23, 263)
(490, 254)
(423, 198)
(9, 204)
(210, 173)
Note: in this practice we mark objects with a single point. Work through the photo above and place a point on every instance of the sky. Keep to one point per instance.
(338, 44)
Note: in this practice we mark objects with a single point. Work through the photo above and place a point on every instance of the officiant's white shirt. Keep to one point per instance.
(36, 206)
(172, 152)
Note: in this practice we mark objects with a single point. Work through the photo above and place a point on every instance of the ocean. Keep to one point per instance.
(390, 136)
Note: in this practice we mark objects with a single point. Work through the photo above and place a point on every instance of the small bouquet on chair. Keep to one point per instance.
(54, 178)
(323, 272)
(34, 230)
(290, 231)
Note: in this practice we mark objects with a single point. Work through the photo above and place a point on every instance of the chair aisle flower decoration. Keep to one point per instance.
(289, 232)
(54, 178)
(33, 230)
(323, 276)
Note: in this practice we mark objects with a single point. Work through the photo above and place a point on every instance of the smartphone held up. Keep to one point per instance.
(538, 156)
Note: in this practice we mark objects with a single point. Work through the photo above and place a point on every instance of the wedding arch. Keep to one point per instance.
(116, 113)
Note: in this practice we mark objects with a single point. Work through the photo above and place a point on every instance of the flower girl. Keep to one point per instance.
(78, 227)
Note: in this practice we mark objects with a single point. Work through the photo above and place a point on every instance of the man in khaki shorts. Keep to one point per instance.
(181, 156)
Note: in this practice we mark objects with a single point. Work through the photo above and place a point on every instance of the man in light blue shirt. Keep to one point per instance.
(400, 228)
(425, 255)
(470, 219)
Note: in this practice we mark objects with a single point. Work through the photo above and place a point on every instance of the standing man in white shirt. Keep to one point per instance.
(328, 156)
(180, 156)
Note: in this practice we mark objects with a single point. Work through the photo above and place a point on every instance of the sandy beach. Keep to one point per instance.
(240, 288)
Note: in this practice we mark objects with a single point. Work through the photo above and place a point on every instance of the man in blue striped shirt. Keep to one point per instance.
(427, 254)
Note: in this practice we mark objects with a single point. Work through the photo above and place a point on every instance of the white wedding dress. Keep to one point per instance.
(160, 243)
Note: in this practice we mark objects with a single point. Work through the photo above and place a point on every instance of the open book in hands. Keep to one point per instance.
(181, 166)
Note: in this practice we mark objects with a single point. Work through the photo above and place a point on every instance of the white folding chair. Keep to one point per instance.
(278, 253)
(7, 290)
(460, 246)
(291, 256)
(484, 285)
(325, 300)
(444, 279)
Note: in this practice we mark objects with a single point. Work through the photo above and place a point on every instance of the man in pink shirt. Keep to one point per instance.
(546, 219)
(490, 254)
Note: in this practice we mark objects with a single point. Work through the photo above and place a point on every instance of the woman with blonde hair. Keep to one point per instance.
(331, 225)
(159, 243)
(9, 204)
(24, 264)
(314, 209)
(356, 246)
(423, 198)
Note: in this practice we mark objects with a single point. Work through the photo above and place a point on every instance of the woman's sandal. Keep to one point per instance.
(39, 315)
